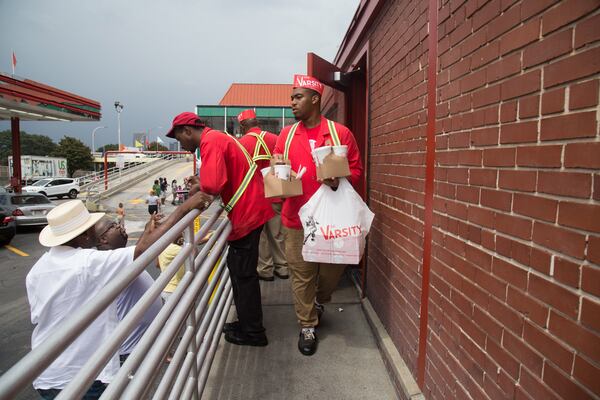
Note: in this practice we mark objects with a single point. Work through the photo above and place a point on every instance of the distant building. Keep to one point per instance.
(173, 146)
(270, 101)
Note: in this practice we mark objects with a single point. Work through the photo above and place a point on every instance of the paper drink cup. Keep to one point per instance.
(341, 151)
(283, 171)
(320, 153)
(265, 171)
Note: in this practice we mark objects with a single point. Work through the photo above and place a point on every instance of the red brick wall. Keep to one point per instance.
(515, 273)
(398, 117)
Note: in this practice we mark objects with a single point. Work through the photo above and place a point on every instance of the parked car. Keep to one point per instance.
(58, 187)
(27, 208)
(8, 226)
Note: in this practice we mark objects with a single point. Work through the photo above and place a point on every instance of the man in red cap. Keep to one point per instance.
(260, 145)
(312, 283)
(228, 170)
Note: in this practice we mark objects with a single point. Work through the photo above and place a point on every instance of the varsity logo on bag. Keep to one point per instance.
(330, 232)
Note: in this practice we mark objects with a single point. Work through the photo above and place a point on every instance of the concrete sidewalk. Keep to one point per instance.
(346, 366)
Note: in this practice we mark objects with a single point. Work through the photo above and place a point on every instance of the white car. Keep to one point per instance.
(58, 187)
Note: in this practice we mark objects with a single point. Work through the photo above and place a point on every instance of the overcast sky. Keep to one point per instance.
(160, 58)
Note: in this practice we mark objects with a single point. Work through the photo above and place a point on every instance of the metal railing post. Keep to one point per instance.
(188, 239)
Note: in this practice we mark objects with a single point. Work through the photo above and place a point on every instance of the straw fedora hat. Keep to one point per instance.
(67, 221)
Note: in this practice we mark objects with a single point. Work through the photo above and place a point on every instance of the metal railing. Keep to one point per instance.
(116, 178)
(195, 313)
(90, 179)
(131, 165)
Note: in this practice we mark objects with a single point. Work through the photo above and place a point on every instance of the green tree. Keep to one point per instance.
(31, 145)
(154, 146)
(108, 147)
(78, 155)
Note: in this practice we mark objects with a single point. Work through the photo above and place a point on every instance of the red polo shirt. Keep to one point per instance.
(249, 143)
(300, 155)
(221, 173)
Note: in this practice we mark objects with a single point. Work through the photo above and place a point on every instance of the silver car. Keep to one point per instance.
(27, 208)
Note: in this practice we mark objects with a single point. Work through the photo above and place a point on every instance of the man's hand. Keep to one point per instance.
(156, 227)
(194, 180)
(154, 221)
(199, 200)
(332, 182)
(278, 158)
(193, 190)
(194, 185)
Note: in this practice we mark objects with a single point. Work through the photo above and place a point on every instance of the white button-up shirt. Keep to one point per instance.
(59, 283)
(127, 300)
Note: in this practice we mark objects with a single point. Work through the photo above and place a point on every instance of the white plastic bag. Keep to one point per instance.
(335, 225)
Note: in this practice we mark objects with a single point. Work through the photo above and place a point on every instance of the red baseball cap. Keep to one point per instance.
(185, 118)
(246, 114)
(308, 82)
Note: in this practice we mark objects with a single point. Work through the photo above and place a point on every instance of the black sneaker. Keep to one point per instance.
(243, 339)
(280, 275)
(266, 278)
(231, 326)
(307, 343)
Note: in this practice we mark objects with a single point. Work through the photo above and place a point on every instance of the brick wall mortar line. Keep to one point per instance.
(598, 113)
(406, 301)
(530, 270)
(579, 309)
(524, 71)
(397, 244)
(525, 119)
(396, 209)
(546, 196)
(525, 317)
(439, 338)
(519, 240)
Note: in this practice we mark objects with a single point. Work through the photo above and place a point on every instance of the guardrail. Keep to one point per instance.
(130, 164)
(116, 178)
(97, 176)
(196, 310)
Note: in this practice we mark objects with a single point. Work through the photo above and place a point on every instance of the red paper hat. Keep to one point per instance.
(185, 118)
(308, 82)
(246, 114)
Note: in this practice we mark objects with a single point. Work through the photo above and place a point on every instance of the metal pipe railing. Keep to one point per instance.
(152, 358)
(95, 364)
(216, 335)
(189, 310)
(146, 342)
(223, 292)
(221, 273)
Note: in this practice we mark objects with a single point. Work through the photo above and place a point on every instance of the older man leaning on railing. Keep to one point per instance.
(192, 357)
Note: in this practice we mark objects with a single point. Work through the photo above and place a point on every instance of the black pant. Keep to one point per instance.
(242, 260)
(152, 208)
(93, 393)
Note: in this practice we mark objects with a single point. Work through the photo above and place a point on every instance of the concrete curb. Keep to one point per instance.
(402, 378)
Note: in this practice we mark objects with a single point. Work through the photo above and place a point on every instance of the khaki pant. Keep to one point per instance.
(271, 256)
(310, 281)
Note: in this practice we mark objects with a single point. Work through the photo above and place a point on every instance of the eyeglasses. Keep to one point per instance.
(112, 225)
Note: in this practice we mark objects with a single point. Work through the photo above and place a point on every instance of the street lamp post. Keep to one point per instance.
(118, 109)
(93, 134)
